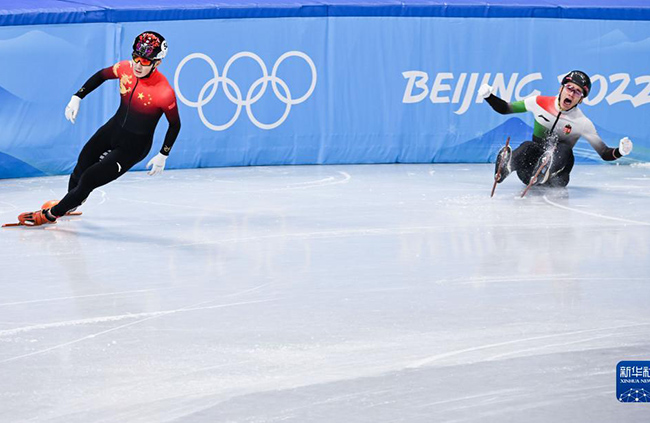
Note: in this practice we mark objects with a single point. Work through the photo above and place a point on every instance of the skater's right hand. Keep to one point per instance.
(72, 108)
(485, 91)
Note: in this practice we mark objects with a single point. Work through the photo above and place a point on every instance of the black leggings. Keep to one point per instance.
(527, 155)
(109, 153)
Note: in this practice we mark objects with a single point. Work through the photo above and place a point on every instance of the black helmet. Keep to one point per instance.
(579, 78)
(150, 45)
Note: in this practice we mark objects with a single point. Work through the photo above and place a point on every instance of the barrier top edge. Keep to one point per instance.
(39, 12)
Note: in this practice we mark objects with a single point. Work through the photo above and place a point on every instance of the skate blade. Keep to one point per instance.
(493, 188)
(10, 225)
(535, 177)
(498, 175)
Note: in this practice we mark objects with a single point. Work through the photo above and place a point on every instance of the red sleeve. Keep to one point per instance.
(99, 77)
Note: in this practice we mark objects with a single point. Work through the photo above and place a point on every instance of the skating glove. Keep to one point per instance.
(158, 163)
(72, 108)
(485, 91)
(625, 146)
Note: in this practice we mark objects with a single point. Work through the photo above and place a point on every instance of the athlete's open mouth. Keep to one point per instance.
(567, 102)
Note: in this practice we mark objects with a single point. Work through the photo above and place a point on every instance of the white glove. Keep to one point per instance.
(485, 91)
(158, 163)
(625, 146)
(72, 108)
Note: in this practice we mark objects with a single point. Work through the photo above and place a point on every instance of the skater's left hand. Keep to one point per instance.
(158, 163)
(625, 146)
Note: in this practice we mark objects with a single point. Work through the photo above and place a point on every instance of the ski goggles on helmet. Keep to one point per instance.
(141, 60)
(575, 91)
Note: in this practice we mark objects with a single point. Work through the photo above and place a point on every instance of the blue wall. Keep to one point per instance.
(324, 89)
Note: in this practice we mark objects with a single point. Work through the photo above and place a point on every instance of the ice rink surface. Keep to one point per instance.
(377, 293)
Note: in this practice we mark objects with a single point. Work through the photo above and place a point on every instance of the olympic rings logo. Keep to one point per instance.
(277, 84)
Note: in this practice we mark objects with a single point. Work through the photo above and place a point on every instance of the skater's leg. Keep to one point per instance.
(525, 158)
(91, 153)
(111, 167)
(563, 161)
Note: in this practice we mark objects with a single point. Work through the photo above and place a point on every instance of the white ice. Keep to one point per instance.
(377, 293)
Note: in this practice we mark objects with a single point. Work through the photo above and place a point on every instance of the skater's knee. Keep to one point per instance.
(76, 174)
(90, 180)
(87, 181)
(74, 180)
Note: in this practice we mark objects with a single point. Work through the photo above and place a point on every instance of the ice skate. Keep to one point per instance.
(542, 173)
(49, 204)
(502, 167)
(36, 218)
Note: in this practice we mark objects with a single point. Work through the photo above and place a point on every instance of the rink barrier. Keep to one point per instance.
(322, 83)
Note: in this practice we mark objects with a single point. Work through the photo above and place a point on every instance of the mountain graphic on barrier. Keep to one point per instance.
(8, 100)
(485, 147)
(11, 167)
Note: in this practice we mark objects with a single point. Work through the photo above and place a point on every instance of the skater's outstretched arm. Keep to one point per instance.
(499, 105)
(98, 79)
(93, 82)
(606, 153)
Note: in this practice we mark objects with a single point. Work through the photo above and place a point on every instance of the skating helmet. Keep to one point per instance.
(579, 78)
(150, 45)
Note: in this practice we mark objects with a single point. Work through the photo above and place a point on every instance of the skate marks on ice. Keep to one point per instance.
(613, 329)
(7, 208)
(600, 216)
(141, 318)
(242, 186)
(77, 297)
(276, 180)
(589, 195)
(379, 298)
